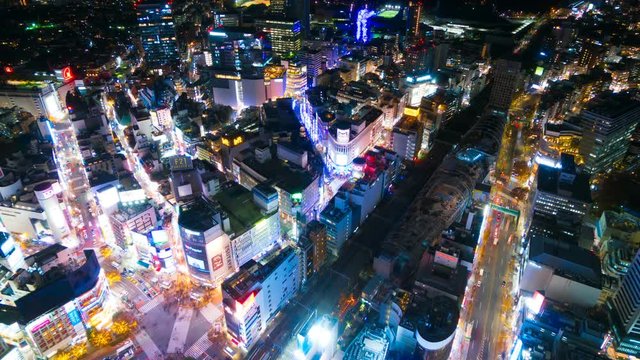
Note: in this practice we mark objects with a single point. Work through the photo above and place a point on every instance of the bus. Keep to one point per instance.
(126, 351)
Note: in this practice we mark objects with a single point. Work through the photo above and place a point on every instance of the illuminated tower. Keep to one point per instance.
(157, 32)
(296, 79)
(414, 11)
(49, 202)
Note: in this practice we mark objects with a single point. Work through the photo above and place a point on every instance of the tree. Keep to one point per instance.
(99, 338)
(106, 252)
(123, 327)
(521, 168)
(78, 351)
(113, 277)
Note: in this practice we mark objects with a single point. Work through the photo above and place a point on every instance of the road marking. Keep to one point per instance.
(199, 347)
(148, 346)
(180, 330)
(151, 304)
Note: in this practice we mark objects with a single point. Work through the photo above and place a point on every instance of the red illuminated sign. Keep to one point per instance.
(8, 69)
(67, 75)
(217, 262)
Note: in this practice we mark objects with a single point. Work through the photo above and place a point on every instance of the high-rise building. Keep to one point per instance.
(337, 217)
(624, 311)
(608, 123)
(414, 11)
(426, 56)
(562, 192)
(293, 9)
(286, 35)
(157, 32)
(317, 234)
(505, 82)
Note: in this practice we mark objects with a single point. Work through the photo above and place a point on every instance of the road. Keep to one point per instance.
(491, 298)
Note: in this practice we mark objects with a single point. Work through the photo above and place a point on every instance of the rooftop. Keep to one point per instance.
(549, 181)
(282, 175)
(199, 215)
(612, 105)
(237, 203)
(567, 260)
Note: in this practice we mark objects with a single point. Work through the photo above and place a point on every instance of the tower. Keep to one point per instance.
(414, 11)
(49, 202)
(157, 32)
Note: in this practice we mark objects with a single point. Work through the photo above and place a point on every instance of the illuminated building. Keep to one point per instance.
(565, 272)
(506, 75)
(206, 245)
(338, 218)
(608, 123)
(11, 256)
(31, 219)
(48, 199)
(234, 48)
(550, 327)
(292, 9)
(317, 234)
(55, 314)
(286, 36)
(407, 137)
(348, 140)
(317, 339)
(624, 311)
(428, 328)
(35, 97)
(248, 88)
(255, 294)
(418, 87)
(562, 192)
(414, 12)
(157, 32)
(564, 138)
(588, 57)
(221, 234)
(298, 190)
(296, 79)
(275, 81)
(140, 218)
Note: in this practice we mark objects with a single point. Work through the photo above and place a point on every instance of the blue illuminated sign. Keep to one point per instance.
(362, 24)
(74, 317)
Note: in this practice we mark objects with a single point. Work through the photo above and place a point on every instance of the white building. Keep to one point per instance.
(348, 140)
(254, 295)
(563, 272)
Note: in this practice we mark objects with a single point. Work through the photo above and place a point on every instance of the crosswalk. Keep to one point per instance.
(148, 346)
(199, 347)
(151, 304)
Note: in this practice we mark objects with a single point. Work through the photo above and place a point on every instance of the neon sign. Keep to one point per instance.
(67, 75)
(362, 24)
